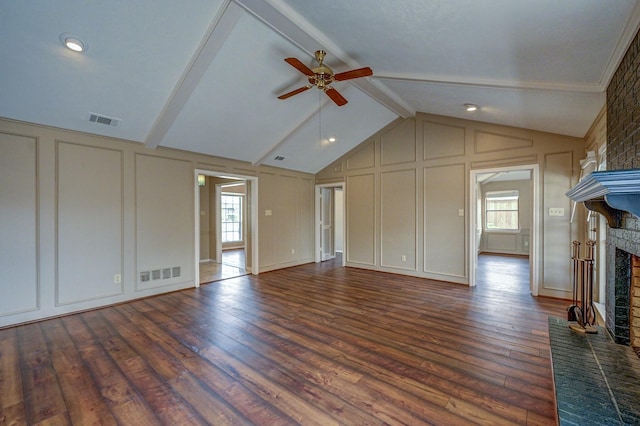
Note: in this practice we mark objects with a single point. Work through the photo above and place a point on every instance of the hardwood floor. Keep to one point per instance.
(315, 344)
(233, 265)
(503, 273)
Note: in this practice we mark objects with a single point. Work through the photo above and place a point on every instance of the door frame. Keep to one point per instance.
(252, 192)
(536, 228)
(318, 238)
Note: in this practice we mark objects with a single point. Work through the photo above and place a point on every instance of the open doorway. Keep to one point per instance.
(226, 226)
(330, 213)
(504, 227)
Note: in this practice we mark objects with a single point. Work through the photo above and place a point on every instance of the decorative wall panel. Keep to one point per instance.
(363, 158)
(557, 181)
(164, 221)
(398, 145)
(361, 231)
(19, 224)
(89, 223)
(398, 219)
(490, 142)
(440, 140)
(444, 228)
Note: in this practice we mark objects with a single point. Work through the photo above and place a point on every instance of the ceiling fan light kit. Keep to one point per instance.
(322, 76)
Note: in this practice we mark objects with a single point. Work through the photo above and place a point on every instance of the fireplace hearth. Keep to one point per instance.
(597, 382)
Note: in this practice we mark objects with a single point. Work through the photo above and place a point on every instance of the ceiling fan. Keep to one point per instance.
(322, 76)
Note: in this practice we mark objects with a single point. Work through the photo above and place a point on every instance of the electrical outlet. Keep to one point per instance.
(293, 251)
(404, 258)
(117, 279)
(556, 211)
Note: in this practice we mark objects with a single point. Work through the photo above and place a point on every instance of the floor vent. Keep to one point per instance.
(176, 271)
(102, 119)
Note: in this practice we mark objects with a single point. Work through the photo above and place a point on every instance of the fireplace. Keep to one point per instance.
(616, 195)
(623, 293)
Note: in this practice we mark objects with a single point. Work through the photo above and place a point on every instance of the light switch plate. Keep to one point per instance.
(556, 211)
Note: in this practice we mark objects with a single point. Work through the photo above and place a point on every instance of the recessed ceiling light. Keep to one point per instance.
(332, 139)
(471, 107)
(72, 42)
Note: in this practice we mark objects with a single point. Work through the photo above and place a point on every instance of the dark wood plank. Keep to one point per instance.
(327, 371)
(133, 359)
(190, 376)
(42, 394)
(12, 408)
(314, 344)
(126, 404)
(83, 399)
(11, 396)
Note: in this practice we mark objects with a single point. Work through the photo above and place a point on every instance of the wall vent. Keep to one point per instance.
(161, 274)
(176, 271)
(103, 119)
(279, 158)
(166, 273)
(155, 274)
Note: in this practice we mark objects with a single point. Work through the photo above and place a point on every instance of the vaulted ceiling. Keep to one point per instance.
(204, 75)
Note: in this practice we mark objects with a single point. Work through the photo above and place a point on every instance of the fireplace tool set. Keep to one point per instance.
(581, 313)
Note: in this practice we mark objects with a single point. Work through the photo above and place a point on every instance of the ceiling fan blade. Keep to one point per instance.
(357, 73)
(335, 96)
(294, 92)
(294, 62)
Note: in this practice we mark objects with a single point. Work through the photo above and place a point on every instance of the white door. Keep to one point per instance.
(327, 249)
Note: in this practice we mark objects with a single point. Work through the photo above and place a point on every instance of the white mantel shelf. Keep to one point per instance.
(610, 192)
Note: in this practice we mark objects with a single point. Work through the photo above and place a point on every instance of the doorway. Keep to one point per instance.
(521, 239)
(216, 258)
(330, 214)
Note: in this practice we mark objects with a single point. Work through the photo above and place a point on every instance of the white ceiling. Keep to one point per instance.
(203, 75)
(503, 176)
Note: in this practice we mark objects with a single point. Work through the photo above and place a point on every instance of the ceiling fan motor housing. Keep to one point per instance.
(322, 76)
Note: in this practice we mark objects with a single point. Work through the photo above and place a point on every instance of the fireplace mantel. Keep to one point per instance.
(610, 193)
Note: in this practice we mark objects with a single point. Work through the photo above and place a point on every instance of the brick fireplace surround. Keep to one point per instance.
(623, 152)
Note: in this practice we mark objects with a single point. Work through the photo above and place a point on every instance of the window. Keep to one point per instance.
(501, 208)
(231, 214)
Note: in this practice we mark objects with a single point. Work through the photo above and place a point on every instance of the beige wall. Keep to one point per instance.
(77, 211)
(407, 195)
(339, 219)
(517, 243)
(209, 216)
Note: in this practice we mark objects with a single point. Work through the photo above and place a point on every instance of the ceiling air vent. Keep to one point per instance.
(279, 158)
(103, 119)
